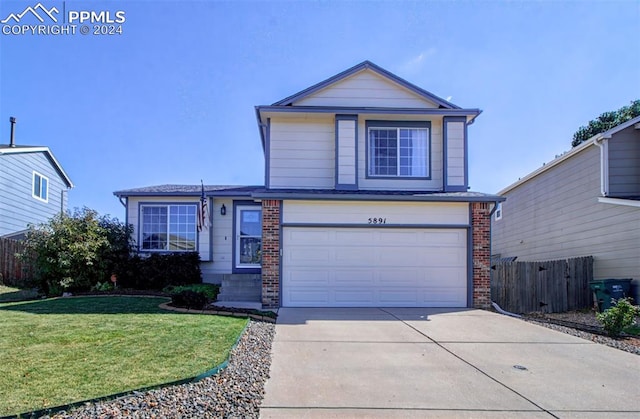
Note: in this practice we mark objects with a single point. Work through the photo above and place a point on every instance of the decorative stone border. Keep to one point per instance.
(229, 312)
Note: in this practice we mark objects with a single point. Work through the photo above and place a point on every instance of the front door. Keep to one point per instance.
(248, 236)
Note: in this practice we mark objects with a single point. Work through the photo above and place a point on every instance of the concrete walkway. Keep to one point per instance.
(414, 363)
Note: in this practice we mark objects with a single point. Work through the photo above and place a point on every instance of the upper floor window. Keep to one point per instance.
(40, 189)
(498, 212)
(168, 227)
(398, 149)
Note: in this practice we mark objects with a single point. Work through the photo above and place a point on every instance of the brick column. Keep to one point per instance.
(481, 234)
(271, 253)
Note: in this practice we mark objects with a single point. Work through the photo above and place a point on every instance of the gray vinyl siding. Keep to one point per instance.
(624, 163)
(18, 207)
(556, 214)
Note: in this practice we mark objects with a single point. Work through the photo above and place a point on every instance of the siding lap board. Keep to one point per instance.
(366, 89)
(557, 215)
(17, 205)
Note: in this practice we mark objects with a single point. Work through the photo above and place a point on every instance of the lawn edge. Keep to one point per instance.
(216, 369)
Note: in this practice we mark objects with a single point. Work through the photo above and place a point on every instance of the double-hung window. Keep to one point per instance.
(168, 227)
(40, 188)
(398, 149)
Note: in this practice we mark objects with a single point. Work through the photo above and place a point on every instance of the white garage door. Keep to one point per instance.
(374, 267)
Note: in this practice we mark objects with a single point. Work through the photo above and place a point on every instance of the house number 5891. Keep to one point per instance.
(377, 221)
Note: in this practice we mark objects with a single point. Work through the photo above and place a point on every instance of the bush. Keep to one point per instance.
(619, 317)
(209, 290)
(158, 271)
(74, 252)
(189, 299)
(102, 286)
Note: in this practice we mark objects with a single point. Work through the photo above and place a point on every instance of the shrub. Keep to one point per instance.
(189, 299)
(158, 271)
(209, 290)
(619, 317)
(102, 286)
(74, 252)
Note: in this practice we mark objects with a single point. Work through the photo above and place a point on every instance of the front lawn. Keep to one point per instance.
(64, 350)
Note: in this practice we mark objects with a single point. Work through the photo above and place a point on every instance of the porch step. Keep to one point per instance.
(241, 287)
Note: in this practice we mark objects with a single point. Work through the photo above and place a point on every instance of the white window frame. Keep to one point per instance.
(168, 206)
(239, 210)
(40, 189)
(498, 212)
(398, 126)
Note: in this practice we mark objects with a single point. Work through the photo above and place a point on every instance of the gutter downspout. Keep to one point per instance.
(494, 209)
(604, 163)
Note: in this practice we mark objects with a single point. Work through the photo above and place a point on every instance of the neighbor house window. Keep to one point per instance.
(40, 188)
(398, 149)
(498, 212)
(168, 227)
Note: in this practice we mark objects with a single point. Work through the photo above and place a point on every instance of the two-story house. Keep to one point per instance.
(365, 203)
(586, 202)
(33, 187)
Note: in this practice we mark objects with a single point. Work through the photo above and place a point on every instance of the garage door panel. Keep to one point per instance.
(398, 277)
(308, 298)
(393, 297)
(365, 267)
(320, 256)
(317, 236)
(354, 237)
(396, 238)
(353, 297)
(354, 256)
(308, 278)
(353, 278)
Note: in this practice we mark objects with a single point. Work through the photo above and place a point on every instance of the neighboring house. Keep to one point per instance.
(33, 187)
(365, 203)
(584, 203)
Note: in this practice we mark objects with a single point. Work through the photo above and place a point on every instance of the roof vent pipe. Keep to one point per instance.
(11, 138)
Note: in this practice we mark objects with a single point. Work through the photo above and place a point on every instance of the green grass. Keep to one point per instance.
(63, 350)
(17, 294)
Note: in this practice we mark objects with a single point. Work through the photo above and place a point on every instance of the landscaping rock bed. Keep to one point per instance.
(625, 343)
(235, 392)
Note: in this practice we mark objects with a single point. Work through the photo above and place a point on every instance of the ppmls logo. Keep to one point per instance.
(33, 11)
(40, 20)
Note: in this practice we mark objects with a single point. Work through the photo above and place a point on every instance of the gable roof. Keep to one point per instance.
(366, 65)
(21, 149)
(444, 108)
(575, 150)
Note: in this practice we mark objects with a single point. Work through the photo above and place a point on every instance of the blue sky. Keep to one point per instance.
(171, 99)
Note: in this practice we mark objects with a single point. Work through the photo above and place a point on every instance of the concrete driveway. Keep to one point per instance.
(410, 363)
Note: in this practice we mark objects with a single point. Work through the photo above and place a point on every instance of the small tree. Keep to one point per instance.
(73, 252)
(605, 122)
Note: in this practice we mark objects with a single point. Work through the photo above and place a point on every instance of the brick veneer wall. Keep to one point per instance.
(271, 253)
(481, 235)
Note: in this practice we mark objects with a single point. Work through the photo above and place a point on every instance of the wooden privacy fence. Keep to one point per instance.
(551, 286)
(12, 270)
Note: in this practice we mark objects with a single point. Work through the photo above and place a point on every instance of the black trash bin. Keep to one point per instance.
(604, 290)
